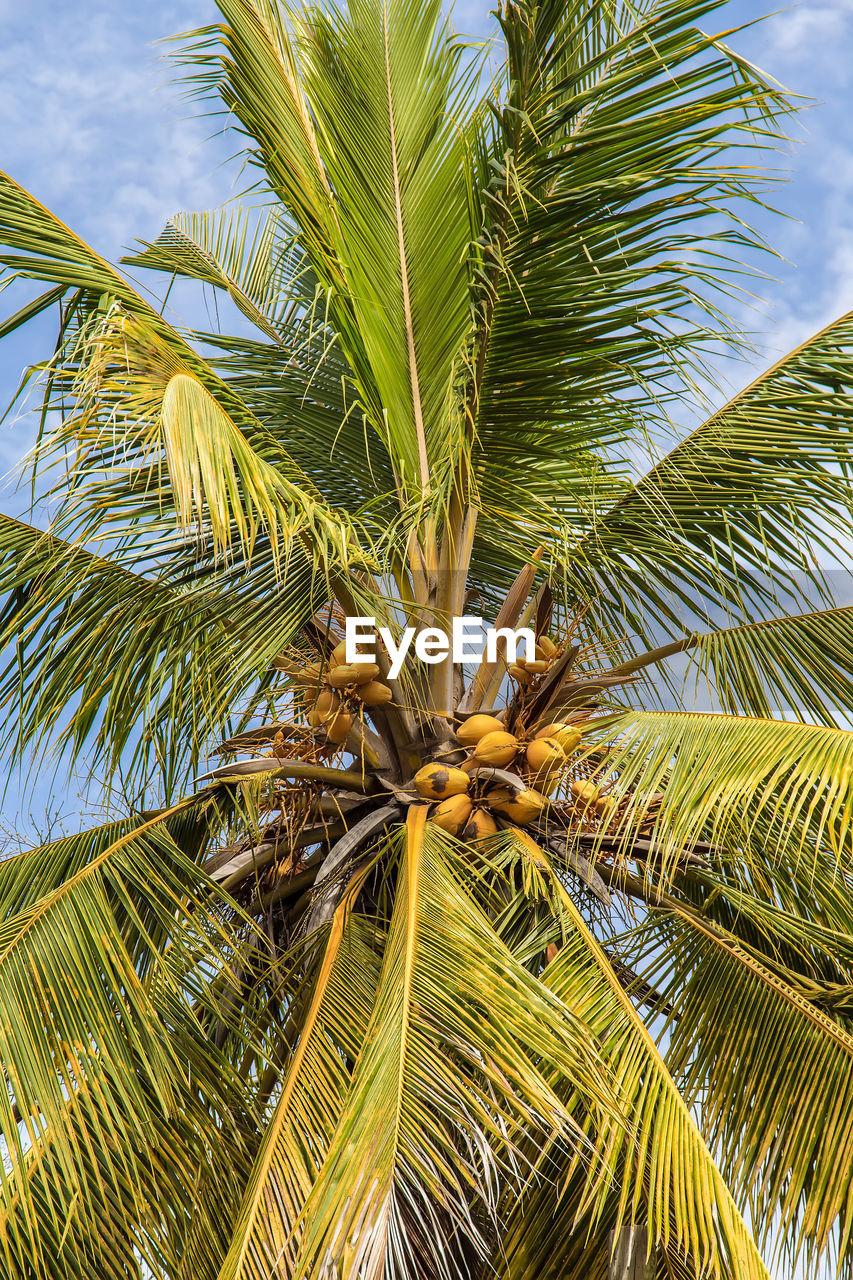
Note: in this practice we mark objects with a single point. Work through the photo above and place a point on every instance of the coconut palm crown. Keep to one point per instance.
(467, 972)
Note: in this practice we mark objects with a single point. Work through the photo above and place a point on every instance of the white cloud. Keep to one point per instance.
(808, 27)
(89, 124)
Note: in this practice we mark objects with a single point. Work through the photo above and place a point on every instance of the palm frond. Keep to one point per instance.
(442, 1084)
(100, 1047)
(313, 1090)
(245, 252)
(374, 177)
(304, 399)
(114, 324)
(740, 514)
(725, 778)
(103, 659)
(624, 148)
(660, 1166)
(773, 1066)
(801, 664)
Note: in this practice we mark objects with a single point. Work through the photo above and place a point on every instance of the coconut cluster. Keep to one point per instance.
(334, 690)
(523, 671)
(470, 808)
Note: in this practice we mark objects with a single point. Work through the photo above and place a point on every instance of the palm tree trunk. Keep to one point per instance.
(630, 1260)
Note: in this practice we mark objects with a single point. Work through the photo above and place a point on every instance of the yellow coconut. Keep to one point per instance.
(452, 814)
(586, 793)
(338, 729)
(311, 674)
(374, 693)
(519, 674)
(353, 673)
(537, 668)
(545, 783)
(325, 708)
(497, 749)
(437, 781)
(546, 644)
(498, 794)
(476, 727)
(568, 735)
(339, 654)
(523, 807)
(307, 697)
(544, 756)
(480, 824)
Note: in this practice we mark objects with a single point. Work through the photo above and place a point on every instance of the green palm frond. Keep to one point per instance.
(141, 1217)
(156, 411)
(96, 964)
(443, 1083)
(251, 258)
(658, 1161)
(304, 399)
(801, 664)
(313, 1090)
(185, 392)
(727, 778)
(740, 513)
(106, 659)
(376, 182)
(615, 120)
(745, 1015)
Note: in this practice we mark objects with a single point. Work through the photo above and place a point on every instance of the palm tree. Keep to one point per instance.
(521, 969)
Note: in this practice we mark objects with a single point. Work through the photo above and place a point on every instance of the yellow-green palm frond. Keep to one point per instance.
(456, 1063)
(728, 778)
(660, 1170)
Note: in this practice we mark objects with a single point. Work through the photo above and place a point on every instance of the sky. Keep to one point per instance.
(91, 124)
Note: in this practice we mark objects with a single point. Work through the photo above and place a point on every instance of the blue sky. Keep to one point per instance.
(90, 122)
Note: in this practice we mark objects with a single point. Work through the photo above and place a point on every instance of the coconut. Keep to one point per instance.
(339, 728)
(523, 807)
(339, 654)
(496, 796)
(308, 697)
(353, 673)
(537, 668)
(325, 708)
(496, 748)
(545, 783)
(312, 674)
(374, 693)
(480, 824)
(544, 756)
(586, 793)
(519, 674)
(452, 814)
(437, 781)
(476, 727)
(546, 644)
(568, 735)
